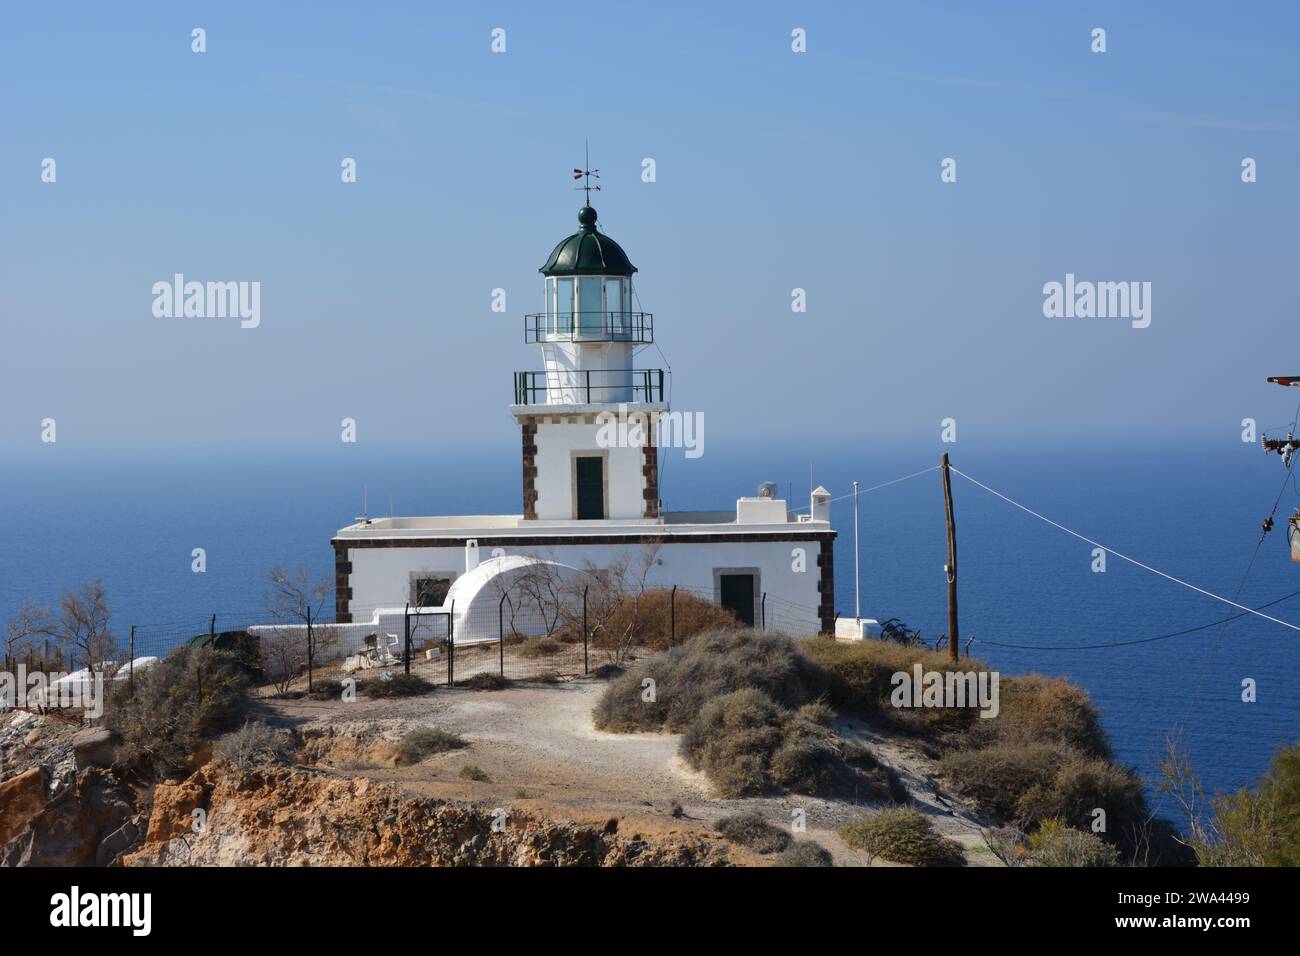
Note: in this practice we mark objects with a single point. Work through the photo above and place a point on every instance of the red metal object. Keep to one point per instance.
(1285, 379)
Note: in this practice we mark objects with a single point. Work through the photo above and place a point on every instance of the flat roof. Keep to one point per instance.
(683, 523)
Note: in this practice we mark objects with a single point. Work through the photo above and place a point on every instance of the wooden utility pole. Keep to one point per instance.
(951, 567)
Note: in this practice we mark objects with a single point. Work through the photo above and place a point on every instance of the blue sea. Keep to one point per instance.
(1190, 505)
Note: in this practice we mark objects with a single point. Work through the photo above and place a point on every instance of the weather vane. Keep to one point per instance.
(587, 175)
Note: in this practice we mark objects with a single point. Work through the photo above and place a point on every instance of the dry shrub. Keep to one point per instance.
(1081, 785)
(707, 667)
(253, 745)
(997, 777)
(748, 744)
(1038, 709)
(485, 680)
(806, 764)
(397, 685)
(806, 853)
(649, 619)
(538, 647)
(861, 680)
(903, 835)
(424, 741)
(733, 740)
(750, 830)
(1031, 783)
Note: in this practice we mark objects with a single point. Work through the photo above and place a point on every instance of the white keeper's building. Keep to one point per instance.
(588, 500)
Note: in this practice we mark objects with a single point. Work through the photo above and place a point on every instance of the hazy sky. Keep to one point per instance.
(775, 170)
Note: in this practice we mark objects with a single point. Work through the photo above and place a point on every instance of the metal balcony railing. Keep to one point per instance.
(638, 327)
(588, 386)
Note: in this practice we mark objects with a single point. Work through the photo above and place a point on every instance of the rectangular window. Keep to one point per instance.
(589, 479)
(591, 321)
(564, 305)
(616, 314)
(429, 592)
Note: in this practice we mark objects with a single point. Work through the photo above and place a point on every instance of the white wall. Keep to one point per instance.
(380, 575)
(556, 444)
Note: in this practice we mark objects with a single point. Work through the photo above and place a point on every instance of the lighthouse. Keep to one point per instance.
(588, 335)
(591, 492)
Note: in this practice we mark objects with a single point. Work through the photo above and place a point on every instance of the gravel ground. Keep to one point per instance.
(537, 745)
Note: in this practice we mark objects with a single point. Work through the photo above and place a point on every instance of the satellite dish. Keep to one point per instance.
(767, 489)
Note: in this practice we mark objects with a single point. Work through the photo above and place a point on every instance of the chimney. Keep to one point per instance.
(821, 504)
(471, 555)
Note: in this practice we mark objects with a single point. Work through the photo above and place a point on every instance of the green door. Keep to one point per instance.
(591, 487)
(738, 596)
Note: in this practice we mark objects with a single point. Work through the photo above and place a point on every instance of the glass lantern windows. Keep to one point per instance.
(590, 306)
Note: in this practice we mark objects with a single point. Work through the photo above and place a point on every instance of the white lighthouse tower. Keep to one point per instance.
(588, 417)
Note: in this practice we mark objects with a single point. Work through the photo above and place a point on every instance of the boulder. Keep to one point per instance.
(21, 798)
(173, 808)
(68, 831)
(94, 747)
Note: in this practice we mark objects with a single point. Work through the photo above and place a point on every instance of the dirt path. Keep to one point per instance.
(540, 751)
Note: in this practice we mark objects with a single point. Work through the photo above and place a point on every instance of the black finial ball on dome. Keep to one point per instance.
(587, 217)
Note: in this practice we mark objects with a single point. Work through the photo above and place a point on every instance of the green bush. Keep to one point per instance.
(806, 853)
(709, 666)
(192, 693)
(471, 772)
(1256, 826)
(424, 741)
(399, 685)
(1056, 844)
(750, 830)
(903, 835)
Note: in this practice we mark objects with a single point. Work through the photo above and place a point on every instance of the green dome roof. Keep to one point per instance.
(588, 252)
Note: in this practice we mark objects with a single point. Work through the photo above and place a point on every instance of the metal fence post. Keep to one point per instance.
(130, 673)
(309, 647)
(451, 646)
(762, 610)
(584, 630)
(672, 615)
(501, 635)
(406, 627)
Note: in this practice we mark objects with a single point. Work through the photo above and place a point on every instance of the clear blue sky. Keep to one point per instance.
(775, 171)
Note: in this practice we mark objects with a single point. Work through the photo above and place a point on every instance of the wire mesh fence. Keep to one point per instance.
(528, 633)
